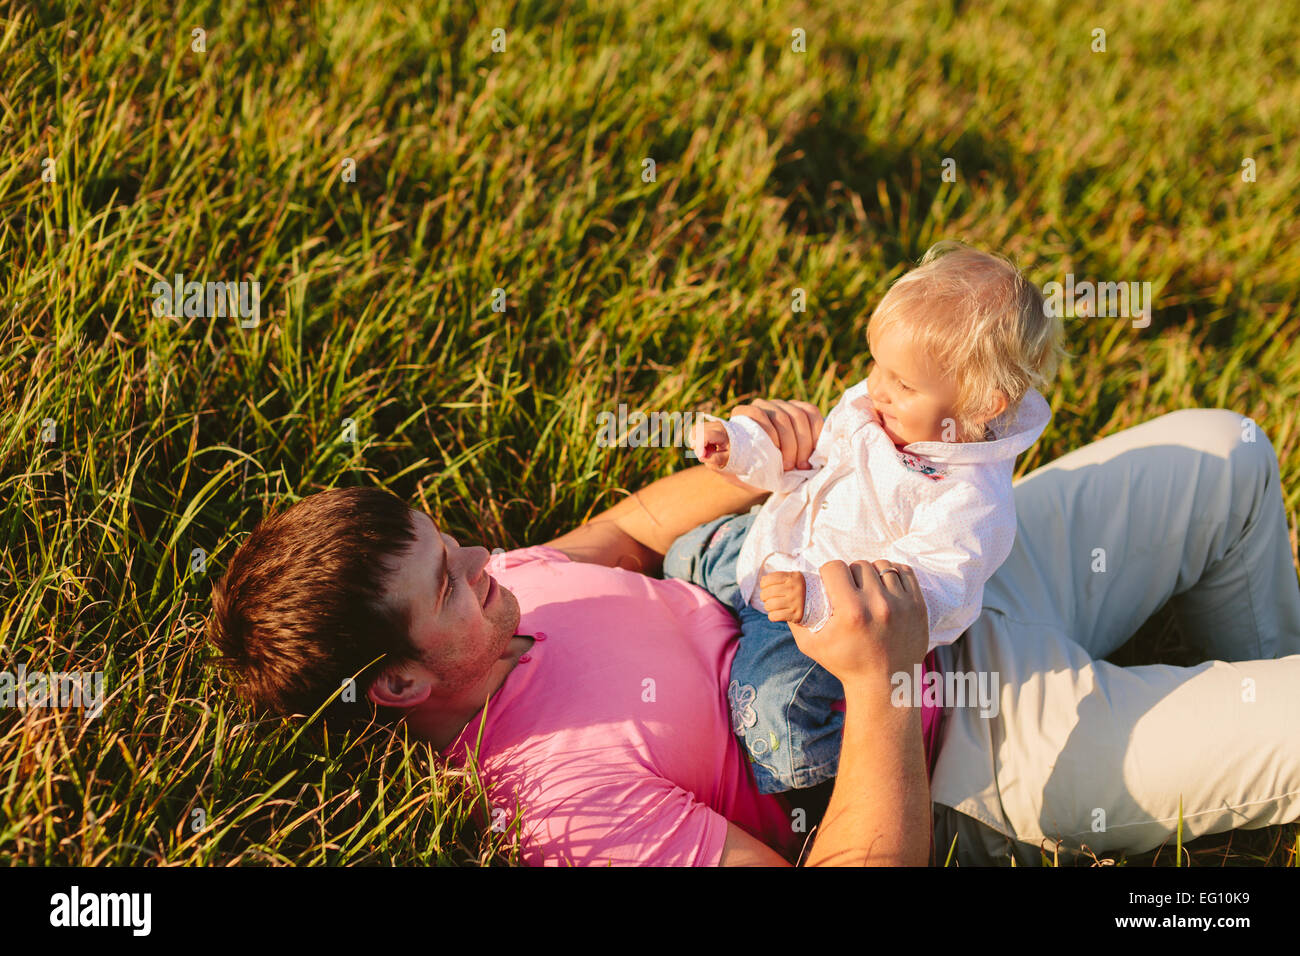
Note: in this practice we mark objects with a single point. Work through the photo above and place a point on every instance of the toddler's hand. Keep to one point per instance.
(782, 594)
(712, 444)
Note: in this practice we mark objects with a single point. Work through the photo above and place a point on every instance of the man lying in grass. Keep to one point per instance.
(607, 720)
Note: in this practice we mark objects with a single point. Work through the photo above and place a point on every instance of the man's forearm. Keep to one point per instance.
(637, 532)
(879, 812)
(663, 511)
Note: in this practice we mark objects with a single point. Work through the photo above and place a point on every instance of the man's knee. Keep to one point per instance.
(1250, 452)
(1230, 435)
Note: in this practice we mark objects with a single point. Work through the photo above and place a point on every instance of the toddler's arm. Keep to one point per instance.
(954, 545)
(746, 452)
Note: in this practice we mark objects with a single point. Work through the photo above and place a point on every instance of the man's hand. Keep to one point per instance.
(792, 426)
(879, 812)
(878, 624)
(782, 593)
(639, 530)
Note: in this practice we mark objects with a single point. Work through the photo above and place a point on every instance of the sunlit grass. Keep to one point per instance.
(522, 170)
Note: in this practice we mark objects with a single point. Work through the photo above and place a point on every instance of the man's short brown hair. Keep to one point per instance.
(301, 608)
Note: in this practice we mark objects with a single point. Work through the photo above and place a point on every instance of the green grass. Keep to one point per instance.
(521, 170)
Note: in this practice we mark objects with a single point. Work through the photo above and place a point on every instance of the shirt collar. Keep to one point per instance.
(1014, 431)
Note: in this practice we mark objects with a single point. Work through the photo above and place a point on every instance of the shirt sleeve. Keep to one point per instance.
(634, 820)
(954, 544)
(816, 603)
(755, 460)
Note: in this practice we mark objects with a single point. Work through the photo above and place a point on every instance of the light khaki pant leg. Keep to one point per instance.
(1186, 507)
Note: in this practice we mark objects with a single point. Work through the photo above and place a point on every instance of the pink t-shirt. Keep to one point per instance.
(612, 736)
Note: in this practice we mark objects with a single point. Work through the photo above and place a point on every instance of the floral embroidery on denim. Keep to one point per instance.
(742, 713)
(932, 472)
(718, 535)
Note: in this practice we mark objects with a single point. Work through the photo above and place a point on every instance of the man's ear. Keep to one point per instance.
(398, 688)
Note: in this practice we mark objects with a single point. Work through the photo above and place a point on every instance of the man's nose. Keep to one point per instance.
(477, 558)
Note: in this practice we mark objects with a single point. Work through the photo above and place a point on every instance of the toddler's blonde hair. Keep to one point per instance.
(983, 322)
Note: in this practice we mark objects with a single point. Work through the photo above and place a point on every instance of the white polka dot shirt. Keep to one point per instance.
(944, 508)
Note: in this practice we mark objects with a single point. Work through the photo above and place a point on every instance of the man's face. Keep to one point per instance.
(461, 619)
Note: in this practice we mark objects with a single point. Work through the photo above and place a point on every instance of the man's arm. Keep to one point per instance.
(637, 532)
(879, 809)
(879, 813)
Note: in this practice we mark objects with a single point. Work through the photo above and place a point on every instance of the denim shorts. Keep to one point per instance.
(780, 699)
